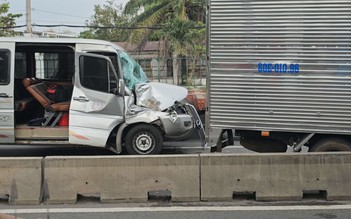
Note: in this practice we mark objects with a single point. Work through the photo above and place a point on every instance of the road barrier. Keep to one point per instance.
(205, 177)
(276, 176)
(20, 180)
(122, 178)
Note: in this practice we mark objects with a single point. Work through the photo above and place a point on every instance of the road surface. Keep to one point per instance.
(312, 210)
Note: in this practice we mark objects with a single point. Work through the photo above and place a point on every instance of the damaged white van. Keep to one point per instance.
(86, 92)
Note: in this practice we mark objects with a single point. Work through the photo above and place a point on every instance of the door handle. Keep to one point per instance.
(81, 99)
(4, 95)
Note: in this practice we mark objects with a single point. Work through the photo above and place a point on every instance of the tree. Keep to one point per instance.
(186, 37)
(107, 15)
(7, 20)
(178, 20)
(187, 42)
(153, 14)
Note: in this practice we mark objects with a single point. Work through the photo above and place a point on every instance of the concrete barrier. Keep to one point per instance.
(122, 178)
(275, 176)
(20, 180)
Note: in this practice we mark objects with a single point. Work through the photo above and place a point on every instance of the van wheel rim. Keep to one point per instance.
(144, 142)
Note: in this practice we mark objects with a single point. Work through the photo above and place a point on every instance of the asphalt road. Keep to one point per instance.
(312, 210)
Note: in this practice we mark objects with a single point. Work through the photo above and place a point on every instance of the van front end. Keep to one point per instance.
(158, 112)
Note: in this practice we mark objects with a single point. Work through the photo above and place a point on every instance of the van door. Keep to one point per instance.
(96, 107)
(7, 115)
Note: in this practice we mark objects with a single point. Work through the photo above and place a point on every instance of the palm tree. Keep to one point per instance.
(150, 15)
(173, 21)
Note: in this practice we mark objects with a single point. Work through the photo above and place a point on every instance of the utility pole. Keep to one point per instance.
(29, 18)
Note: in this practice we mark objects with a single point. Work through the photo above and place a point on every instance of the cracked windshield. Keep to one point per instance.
(133, 74)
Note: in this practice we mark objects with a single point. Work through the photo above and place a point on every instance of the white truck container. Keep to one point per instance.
(279, 74)
(105, 98)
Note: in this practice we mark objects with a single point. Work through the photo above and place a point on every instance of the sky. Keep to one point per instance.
(72, 12)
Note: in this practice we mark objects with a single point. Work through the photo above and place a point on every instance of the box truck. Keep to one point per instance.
(279, 74)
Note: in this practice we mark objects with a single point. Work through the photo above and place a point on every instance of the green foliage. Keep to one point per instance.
(158, 13)
(177, 19)
(7, 20)
(185, 38)
(107, 15)
(145, 13)
(197, 10)
(187, 41)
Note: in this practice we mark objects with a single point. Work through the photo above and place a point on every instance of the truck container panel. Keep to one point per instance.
(280, 65)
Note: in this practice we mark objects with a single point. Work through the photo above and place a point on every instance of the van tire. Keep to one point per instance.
(331, 144)
(143, 140)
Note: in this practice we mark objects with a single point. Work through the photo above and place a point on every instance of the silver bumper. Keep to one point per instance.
(183, 124)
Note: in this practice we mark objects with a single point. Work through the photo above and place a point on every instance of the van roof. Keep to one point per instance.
(58, 40)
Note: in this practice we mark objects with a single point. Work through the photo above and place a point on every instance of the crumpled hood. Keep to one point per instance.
(158, 96)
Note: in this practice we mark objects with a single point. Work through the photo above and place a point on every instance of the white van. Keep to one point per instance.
(104, 94)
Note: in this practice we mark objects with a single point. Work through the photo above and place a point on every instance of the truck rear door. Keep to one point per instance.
(7, 119)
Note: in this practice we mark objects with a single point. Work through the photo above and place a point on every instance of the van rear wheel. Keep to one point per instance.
(331, 144)
(144, 139)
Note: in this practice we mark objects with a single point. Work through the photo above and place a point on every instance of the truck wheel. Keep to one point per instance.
(331, 144)
(144, 139)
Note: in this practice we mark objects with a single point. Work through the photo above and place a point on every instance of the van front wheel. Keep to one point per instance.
(144, 139)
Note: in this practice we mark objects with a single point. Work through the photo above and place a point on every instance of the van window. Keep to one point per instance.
(94, 73)
(4, 67)
(54, 66)
(46, 65)
(111, 55)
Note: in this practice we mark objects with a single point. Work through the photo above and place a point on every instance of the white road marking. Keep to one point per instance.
(175, 209)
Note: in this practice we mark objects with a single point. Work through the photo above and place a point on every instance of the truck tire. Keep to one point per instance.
(331, 144)
(144, 139)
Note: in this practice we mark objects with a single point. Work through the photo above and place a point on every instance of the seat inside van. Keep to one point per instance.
(53, 110)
